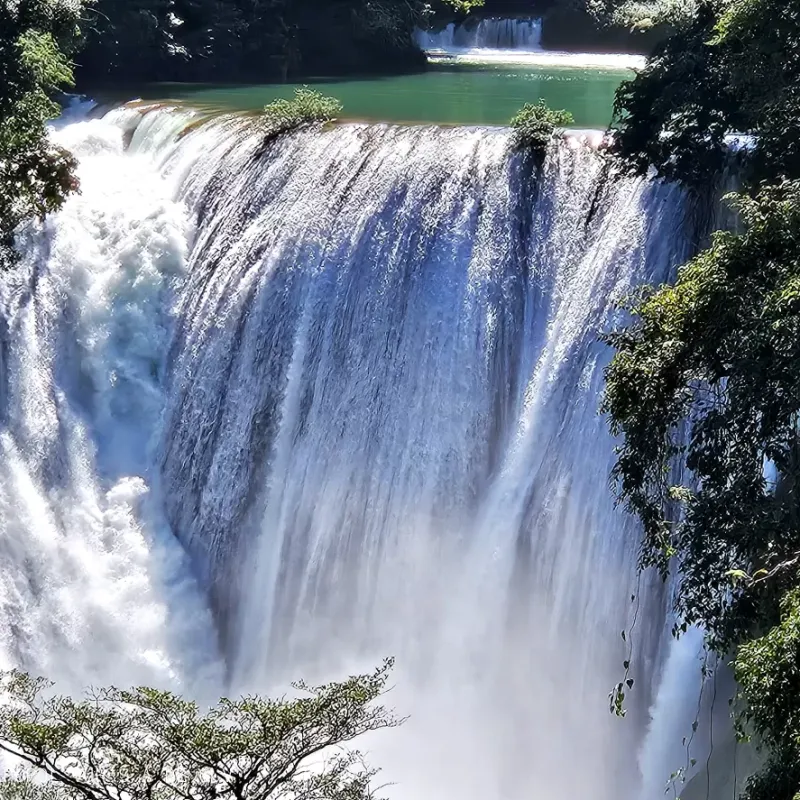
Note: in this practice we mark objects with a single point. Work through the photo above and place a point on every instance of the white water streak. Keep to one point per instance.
(548, 59)
(496, 40)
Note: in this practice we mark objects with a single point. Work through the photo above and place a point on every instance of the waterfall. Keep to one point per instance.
(500, 40)
(93, 587)
(490, 33)
(355, 372)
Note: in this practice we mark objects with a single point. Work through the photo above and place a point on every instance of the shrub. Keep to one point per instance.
(535, 123)
(307, 106)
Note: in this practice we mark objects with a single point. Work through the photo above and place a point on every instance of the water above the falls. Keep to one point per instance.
(355, 373)
(448, 93)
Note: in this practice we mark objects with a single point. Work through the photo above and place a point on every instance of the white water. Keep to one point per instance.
(512, 41)
(544, 58)
(357, 373)
(490, 33)
(677, 706)
(93, 586)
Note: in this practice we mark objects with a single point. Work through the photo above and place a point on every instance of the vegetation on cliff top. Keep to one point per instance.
(306, 107)
(534, 126)
(704, 388)
(145, 744)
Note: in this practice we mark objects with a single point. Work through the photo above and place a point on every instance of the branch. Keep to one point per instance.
(775, 571)
(41, 761)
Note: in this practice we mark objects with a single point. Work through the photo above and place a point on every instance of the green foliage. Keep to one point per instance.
(768, 670)
(665, 115)
(779, 780)
(534, 126)
(145, 744)
(464, 6)
(307, 106)
(720, 348)
(35, 176)
(263, 40)
(705, 383)
(736, 67)
(643, 14)
(20, 786)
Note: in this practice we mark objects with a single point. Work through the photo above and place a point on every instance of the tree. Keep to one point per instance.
(35, 175)
(704, 388)
(708, 375)
(735, 67)
(768, 669)
(146, 744)
(143, 40)
(642, 14)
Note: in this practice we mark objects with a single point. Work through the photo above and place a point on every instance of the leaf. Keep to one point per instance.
(738, 575)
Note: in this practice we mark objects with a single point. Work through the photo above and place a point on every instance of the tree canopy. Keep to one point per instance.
(35, 175)
(704, 388)
(263, 40)
(147, 744)
(733, 68)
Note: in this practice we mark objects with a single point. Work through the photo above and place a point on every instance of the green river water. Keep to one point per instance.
(450, 92)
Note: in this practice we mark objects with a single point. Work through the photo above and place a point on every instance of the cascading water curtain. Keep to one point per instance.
(355, 371)
(492, 33)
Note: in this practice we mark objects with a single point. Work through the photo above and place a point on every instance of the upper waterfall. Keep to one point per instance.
(509, 40)
(355, 370)
(493, 33)
(93, 587)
